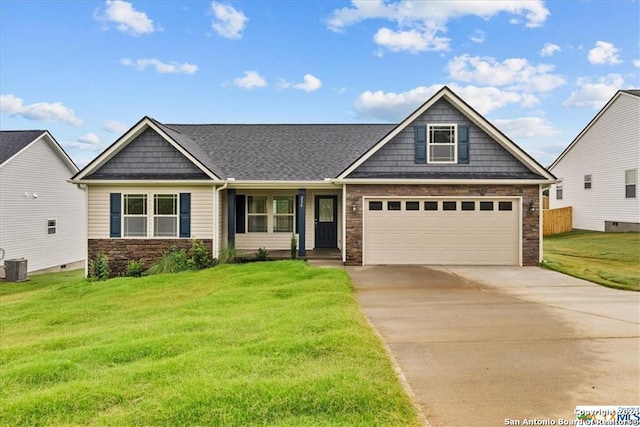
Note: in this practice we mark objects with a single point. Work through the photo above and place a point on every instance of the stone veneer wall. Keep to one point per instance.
(147, 251)
(530, 220)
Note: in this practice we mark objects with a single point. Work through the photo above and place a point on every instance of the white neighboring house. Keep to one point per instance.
(42, 216)
(599, 169)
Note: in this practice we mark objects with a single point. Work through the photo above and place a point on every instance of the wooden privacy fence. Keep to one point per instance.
(545, 202)
(556, 221)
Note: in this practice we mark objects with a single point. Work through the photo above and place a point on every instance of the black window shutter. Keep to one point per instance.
(115, 208)
(297, 213)
(420, 144)
(240, 207)
(185, 215)
(463, 145)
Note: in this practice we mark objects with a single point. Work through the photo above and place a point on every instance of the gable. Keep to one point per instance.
(487, 158)
(148, 156)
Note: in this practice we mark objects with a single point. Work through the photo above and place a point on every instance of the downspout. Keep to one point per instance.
(216, 220)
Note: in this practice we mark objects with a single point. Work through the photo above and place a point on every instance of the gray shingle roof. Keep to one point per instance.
(298, 152)
(12, 141)
(635, 92)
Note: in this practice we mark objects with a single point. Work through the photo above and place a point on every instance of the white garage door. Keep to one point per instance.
(466, 231)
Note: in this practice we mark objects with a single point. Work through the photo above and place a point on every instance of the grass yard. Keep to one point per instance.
(276, 343)
(610, 259)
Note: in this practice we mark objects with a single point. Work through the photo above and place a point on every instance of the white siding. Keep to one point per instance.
(201, 207)
(23, 218)
(605, 151)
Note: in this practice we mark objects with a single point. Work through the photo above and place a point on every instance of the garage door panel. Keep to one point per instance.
(472, 237)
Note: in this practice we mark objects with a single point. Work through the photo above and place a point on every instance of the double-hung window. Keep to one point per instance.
(558, 191)
(165, 215)
(442, 143)
(283, 211)
(257, 214)
(135, 215)
(587, 182)
(630, 179)
(52, 226)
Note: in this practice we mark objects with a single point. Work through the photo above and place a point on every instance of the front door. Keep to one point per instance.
(326, 220)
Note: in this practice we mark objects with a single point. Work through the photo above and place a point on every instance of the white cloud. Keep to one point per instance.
(526, 127)
(514, 73)
(161, 67)
(419, 24)
(478, 36)
(40, 111)
(127, 19)
(595, 94)
(114, 126)
(604, 53)
(636, 63)
(391, 106)
(549, 49)
(86, 142)
(310, 83)
(250, 80)
(228, 22)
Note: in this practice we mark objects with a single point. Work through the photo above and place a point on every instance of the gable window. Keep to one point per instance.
(165, 215)
(52, 226)
(135, 215)
(257, 214)
(630, 179)
(441, 143)
(587, 182)
(283, 214)
(558, 191)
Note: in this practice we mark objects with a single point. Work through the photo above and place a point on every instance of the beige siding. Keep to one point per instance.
(201, 208)
(281, 241)
(23, 217)
(606, 150)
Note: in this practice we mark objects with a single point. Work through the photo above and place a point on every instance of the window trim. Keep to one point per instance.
(53, 227)
(628, 185)
(126, 215)
(150, 214)
(275, 214)
(256, 214)
(559, 192)
(454, 161)
(588, 182)
(175, 216)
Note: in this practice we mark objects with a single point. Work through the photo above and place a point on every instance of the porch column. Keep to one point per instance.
(300, 220)
(231, 216)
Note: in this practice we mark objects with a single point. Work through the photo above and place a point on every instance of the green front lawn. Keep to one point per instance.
(610, 259)
(275, 343)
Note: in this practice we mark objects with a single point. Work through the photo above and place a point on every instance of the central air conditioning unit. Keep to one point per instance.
(15, 270)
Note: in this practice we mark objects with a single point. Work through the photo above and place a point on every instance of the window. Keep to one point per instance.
(412, 206)
(587, 182)
(430, 206)
(630, 179)
(52, 226)
(393, 206)
(283, 207)
(257, 214)
(449, 206)
(558, 191)
(441, 143)
(375, 206)
(135, 215)
(505, 206)
(468, 206)
(165, 215)
(486, 206)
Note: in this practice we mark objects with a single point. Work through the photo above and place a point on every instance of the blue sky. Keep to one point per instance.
(88, 70)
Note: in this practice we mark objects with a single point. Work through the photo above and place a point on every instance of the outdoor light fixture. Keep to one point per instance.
(531, 207)
(354, 207)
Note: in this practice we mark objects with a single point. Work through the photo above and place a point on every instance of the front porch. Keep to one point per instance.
(324, 254)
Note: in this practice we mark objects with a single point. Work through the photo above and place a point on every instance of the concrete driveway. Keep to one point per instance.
(490, 346)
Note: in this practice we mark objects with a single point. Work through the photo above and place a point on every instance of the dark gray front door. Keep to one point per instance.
(326, 220)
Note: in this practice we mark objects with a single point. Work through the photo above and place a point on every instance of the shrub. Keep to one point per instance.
(172, 261)
(262, 254)
(294, 246)
(228, 255)
(198, 256)
(135, 268)
(99, 269)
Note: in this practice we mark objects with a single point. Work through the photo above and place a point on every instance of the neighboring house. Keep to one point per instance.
(442, 187)
(42, 216)
(599, 169)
